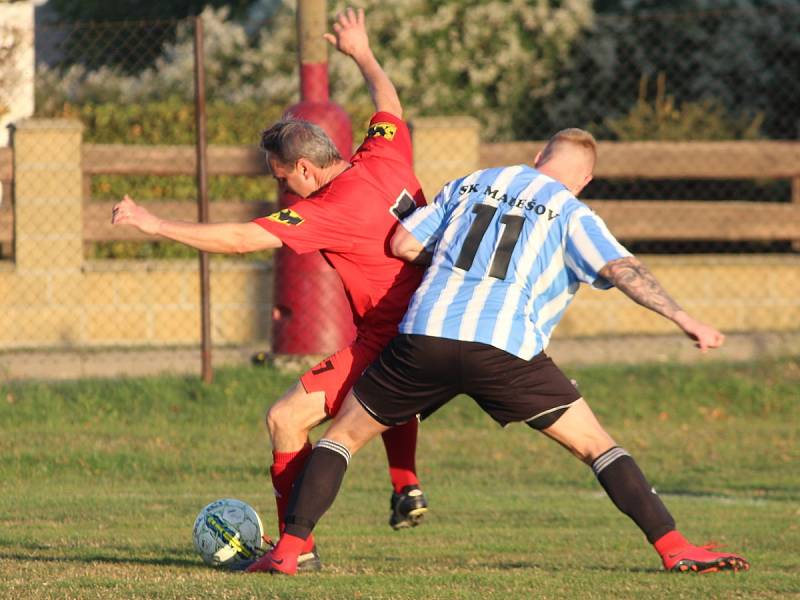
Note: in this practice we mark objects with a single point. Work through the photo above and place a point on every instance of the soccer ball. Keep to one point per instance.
(227, 533)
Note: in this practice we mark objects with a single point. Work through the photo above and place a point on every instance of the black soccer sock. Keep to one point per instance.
(628, 489)
(316, 488)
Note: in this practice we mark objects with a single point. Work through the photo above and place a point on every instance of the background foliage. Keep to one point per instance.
(523, 68)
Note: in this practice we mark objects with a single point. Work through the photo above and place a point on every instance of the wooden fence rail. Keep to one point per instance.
(631, 220)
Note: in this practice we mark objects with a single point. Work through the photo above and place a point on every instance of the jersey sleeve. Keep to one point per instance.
(309, 225)
(427, 223)
(387, 136)
(590, 246)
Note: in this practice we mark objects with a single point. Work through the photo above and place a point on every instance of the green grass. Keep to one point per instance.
(100, 482)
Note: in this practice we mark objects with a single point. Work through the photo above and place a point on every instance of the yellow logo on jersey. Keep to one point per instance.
(286, 216)
(384, 130)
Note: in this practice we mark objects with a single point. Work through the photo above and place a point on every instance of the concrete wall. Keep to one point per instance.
(51, 297)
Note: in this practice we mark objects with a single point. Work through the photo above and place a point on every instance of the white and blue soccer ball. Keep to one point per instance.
(228, 534)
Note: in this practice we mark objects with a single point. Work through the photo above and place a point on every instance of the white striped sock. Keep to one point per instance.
(607, 458)
(335, 447)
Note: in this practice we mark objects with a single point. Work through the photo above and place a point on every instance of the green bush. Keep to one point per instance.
(666, 119)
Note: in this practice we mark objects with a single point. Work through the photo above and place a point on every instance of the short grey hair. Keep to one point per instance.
(289, 140)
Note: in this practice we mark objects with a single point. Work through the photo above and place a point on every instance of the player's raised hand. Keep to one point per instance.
(704, 336)
(127, 212)
(350, 33)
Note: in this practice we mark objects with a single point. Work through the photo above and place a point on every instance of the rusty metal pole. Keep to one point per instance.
(202, 198)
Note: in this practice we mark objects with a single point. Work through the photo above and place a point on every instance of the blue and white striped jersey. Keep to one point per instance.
(510, 249)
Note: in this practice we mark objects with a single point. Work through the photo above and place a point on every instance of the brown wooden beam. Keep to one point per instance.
(630, 220)
(128, 159)
(97, 217)
(712, 221)
(670, 160)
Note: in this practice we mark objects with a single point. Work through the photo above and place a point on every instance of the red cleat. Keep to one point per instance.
(269, 563)
(701, 559)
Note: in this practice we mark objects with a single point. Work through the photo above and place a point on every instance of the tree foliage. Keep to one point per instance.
(492, 59)
(741, 56)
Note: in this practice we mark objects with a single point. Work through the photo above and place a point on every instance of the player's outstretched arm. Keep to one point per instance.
(636, 281)
(350, 37)
(405, 246)
(229, 238)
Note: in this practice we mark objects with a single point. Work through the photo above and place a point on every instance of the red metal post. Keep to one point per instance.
(311, 314)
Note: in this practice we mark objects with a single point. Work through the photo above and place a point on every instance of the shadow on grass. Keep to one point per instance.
(763, 494)
(162, 561)
(526, 566)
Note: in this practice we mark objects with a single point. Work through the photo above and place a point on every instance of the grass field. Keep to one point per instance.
(100, 482)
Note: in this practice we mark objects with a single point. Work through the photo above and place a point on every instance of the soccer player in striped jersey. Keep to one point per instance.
(508, 249)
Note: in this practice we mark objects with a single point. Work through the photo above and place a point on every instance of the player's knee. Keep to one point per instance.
(279, 417)
(592, 447)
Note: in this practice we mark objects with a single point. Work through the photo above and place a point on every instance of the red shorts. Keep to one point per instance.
(336, 374)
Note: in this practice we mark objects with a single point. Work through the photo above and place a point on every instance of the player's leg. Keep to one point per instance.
(383, 397)
(578, 430)
(544, 398)
(289, 422)
(316, 488)
(408, 503)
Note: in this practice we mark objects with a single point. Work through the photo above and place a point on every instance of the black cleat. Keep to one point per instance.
(309, 561)
(408, 507)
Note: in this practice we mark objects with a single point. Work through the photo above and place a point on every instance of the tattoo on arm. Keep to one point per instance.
(638, 283)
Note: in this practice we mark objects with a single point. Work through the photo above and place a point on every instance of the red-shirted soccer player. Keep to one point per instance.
(349, 212)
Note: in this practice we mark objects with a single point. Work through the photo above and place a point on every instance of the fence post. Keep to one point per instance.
(796, 201)
(48, 192)
(202, 188)
(445, 148)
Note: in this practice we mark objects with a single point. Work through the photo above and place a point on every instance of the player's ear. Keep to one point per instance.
(583, 184)
(537, 159)
(303, 167)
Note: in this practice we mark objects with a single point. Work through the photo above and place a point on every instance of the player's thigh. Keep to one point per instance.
(511, 389)
(579, 431)
(415, 374)
(353, 426)
(335, 375)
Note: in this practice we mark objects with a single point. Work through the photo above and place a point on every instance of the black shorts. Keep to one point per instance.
(417, 374)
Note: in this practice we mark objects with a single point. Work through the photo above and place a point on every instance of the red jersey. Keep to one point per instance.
(351, 221)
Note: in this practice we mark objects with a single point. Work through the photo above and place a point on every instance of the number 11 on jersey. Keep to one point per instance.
(505, 246)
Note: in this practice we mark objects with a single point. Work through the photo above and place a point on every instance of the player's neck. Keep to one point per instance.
(336, 169)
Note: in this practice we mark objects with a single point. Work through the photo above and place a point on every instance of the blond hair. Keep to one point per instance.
(574, 137)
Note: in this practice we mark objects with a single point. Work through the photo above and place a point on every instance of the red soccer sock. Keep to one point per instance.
(286, 466)
(401, 447)
(670, 543)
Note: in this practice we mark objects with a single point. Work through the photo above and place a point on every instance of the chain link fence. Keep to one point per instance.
(697, 114)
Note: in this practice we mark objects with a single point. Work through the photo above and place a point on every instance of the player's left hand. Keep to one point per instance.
(350, 33)
(705, 336)
(127, 212)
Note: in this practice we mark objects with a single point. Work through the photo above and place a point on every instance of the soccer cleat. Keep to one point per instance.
(269, 563)
(309, 561)
(408, 507)
(701, 559)
(306, 562)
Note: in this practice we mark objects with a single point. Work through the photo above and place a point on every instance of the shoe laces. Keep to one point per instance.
(268, 541)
